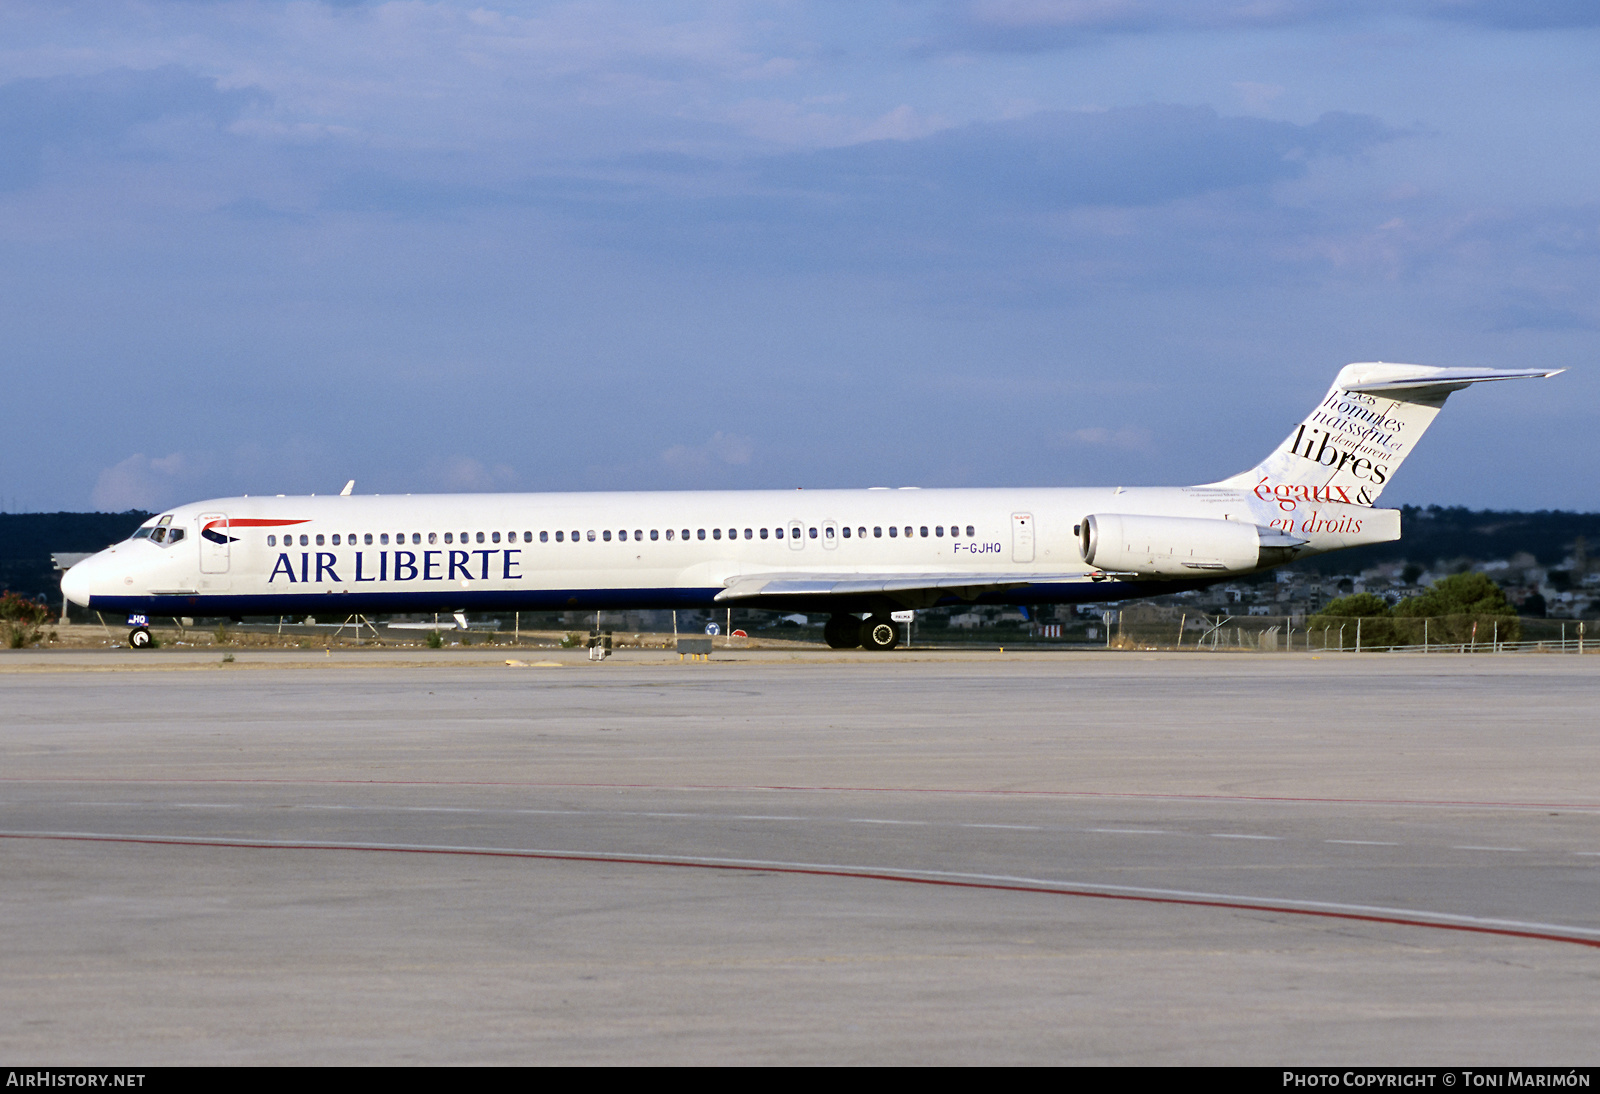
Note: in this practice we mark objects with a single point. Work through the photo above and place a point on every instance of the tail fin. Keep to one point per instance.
(1349, 447)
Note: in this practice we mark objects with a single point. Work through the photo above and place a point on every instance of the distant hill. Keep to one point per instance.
(1434, 534)
(28, 539)
(1430, 535)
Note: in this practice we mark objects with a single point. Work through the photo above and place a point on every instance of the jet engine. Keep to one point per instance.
(1181, 546)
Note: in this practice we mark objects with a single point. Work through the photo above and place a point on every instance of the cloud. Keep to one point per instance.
(1125, 439)
(140, 482)
(1035, 25)
(99, 113)
(463, 474)
(1131, 156)
(722, 448)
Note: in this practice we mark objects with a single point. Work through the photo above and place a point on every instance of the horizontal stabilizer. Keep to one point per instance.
(1378, 376)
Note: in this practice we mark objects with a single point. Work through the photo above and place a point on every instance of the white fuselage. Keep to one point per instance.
(479, 552)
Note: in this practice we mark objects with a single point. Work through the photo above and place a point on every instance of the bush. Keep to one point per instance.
(21, 620)
(1377, 627)
(435, 640)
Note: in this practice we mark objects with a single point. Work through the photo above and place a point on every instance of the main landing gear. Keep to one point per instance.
(847, 632)
(842, 632)
(879, 632)
(139, 638)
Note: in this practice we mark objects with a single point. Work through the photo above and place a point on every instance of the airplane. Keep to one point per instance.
(859, 556)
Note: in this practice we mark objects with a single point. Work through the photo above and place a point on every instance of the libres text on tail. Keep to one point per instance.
(1350, 446)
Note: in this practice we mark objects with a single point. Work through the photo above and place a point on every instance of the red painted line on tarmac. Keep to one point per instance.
(823, 871)
(738, 787)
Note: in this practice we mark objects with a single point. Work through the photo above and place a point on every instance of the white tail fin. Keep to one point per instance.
(1349, 447)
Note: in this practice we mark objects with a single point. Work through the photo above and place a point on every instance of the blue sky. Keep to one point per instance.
(267, 247)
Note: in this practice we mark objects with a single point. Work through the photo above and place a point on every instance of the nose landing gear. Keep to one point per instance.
(139, 638)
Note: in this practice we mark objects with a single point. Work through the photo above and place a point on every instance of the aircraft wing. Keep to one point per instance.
(968, 586)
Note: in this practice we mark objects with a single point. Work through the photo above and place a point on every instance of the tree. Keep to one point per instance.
(1460, 608)
(1376, 626)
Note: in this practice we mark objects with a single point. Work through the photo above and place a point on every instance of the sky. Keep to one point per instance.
(265, 247)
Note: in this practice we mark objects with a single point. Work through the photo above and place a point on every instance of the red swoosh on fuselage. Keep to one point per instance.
(254, 522)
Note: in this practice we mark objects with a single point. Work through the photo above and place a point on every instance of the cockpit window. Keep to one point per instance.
(174, 535)
(143, 533)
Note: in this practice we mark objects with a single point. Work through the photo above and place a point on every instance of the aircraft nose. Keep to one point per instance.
(75, 584)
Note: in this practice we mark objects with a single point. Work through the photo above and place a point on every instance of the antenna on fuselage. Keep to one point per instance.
(349, 486)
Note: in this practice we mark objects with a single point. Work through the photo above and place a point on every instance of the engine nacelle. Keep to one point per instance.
(1180, 546)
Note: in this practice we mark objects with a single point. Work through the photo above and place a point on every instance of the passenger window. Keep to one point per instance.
(622, 535)
(893, 531)
(606, 535)
(638, 535)
(367, 539)
(969, 531)
(938, 531)
(733, 533)
(480, 537)
(877, 532)
(494, 537)
(319, 539)
(846, 531)
(778, 532)
(336, 539)
(527, 537)
(544, 537)
(763, 533)
(908, 531)
(591, 535)
(749, 533)
(433, 537)
(449, 537)
(669, 535)
(272, 541)
(686, 533)
(383, 538)
(559, 536)
(716, 533)
(861, 533)
(702, 533)
(813, 533)
(827, 532)
(924, 531)
(305, 541)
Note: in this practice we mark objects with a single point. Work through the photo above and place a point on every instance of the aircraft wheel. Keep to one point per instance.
(880, 633)
(139, 638)
(842, 632)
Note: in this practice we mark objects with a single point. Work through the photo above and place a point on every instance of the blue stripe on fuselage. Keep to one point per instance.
(556, 600)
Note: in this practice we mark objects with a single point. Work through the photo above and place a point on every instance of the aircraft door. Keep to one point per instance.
(1021, 537)
(797, 533)
(214, 543)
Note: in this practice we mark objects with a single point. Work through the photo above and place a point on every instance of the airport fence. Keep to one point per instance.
(1144, 628)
